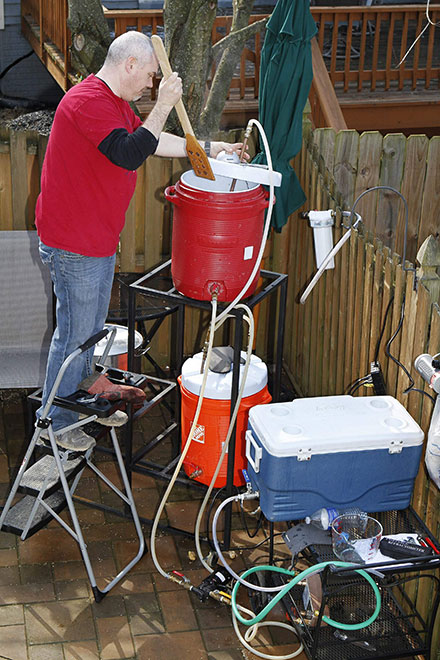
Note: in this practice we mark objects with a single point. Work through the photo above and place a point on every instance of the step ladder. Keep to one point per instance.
(48, 484)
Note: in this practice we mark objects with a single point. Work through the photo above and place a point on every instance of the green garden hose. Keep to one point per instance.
(313, 569)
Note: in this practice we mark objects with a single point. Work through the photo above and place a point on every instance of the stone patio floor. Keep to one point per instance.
(47, 610)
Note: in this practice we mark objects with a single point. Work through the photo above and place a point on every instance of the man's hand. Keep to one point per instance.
(236, 147)
(170, 90)
(169, 93)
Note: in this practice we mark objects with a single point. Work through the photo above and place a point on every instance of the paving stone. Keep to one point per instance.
(9, 575)
(181, 645)
(177, 611)
(81, 651)
(144, 614)
(49, 545)
(67, 590)
(13, 642)
(4, 469)
(99, 550)
(26, 593)
(218, 616)
(8, 557)
(7, 540)
(135, 583)
(127, 550)
(35, 573)
(46, 652)
(67, 621)
(76, 569)
(115, 638)
(11, 615)
(114, 531)
(87, 516)
(232, 654)
(220, 638)
(110, 606)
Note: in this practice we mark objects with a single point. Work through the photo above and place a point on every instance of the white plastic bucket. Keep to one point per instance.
(118, 354)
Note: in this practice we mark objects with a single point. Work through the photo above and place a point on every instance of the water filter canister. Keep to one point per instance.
(322, 223)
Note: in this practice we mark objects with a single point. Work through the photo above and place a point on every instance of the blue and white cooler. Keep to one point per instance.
(336, 451)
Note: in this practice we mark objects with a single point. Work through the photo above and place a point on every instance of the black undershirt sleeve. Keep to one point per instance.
(128, 150)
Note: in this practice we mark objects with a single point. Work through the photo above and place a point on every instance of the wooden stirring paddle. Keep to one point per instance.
(196, 154)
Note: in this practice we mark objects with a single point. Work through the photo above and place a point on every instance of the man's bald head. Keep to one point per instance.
(130, 44)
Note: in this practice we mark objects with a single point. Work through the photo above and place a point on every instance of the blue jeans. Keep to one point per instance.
(82, 287)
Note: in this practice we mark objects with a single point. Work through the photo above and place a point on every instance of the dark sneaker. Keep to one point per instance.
(75, 440)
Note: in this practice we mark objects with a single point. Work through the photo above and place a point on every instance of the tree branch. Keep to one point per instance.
(244, 33)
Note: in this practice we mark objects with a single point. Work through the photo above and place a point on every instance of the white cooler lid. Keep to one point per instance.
(218, 386)
(330, 424)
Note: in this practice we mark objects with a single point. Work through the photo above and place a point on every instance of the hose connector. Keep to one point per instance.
(248, 495)
(180, 579)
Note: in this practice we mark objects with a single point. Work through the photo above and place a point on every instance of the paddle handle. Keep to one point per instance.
(164, 62)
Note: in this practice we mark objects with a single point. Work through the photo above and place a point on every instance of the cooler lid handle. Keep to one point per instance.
(253, 462)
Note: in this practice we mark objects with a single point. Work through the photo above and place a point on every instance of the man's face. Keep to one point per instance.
(140, 77)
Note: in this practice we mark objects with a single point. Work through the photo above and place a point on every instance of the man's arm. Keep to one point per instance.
(170, 91)
(172, 146)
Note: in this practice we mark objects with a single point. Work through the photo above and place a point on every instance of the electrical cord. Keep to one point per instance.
(357, 384)
(257, 545)
(364, 380)
(245, 525)
(411, 387)
(382, 331)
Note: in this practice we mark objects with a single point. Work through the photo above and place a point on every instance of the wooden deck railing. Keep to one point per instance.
(44, 24)
(324, 105)
(361, 48)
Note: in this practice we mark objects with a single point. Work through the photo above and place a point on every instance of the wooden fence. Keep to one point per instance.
(408, 164)
(332, 338)
(355, 162)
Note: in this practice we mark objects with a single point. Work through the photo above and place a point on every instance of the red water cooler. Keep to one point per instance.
(216, 235)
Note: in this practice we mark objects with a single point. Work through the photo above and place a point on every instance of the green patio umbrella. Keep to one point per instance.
(285, 79)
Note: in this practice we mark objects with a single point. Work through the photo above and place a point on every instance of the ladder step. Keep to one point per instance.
(18, 515)
(32, 480)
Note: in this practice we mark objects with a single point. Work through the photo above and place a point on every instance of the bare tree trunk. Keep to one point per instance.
(188, 28)
(90, 35)
(232, 48)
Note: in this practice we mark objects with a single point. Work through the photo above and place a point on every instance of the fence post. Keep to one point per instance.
(428, 257)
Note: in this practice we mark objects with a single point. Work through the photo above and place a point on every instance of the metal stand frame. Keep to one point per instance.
(158, 284)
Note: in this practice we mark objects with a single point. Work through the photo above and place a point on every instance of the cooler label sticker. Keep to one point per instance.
(199, 434)
(248, 252)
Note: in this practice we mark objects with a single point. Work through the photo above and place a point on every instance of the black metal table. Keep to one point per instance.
(399, 631)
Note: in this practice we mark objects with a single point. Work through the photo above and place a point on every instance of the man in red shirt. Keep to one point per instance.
(89, 176)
